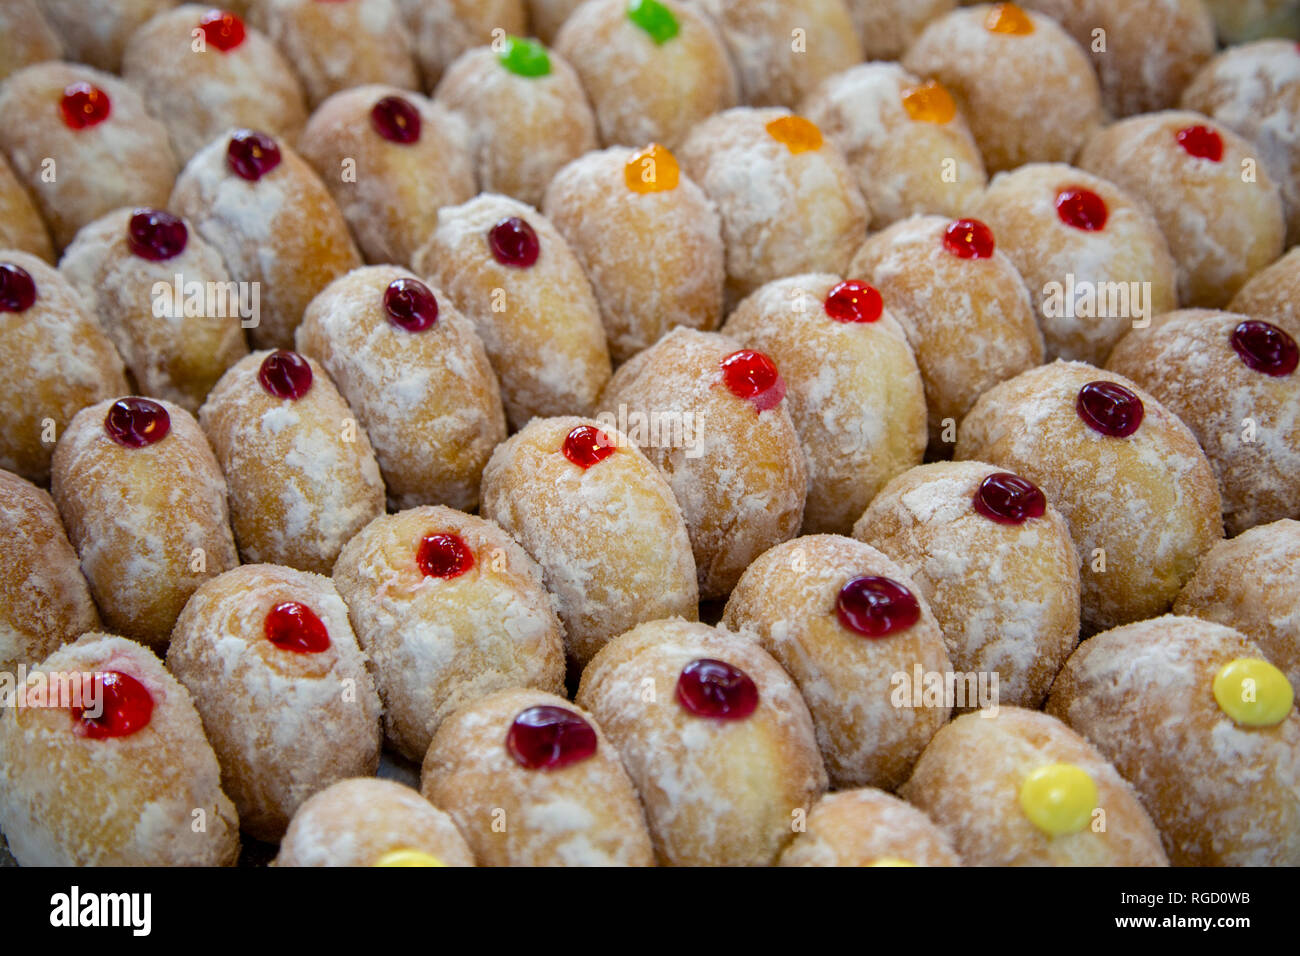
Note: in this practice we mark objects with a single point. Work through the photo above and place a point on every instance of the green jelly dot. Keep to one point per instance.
(524, 57)
(654, 18)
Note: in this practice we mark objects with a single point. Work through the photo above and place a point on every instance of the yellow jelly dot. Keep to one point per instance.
(1253, 692)
(1059, 798)
(796, 133)
(1008, 18)
(929, 103)
(652, 170)
(408, 858)
(891, 861)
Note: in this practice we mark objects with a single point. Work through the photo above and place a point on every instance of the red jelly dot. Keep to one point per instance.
(285, 374)
(854, 301)
(125, 706)
(396, 119)
(444, 556)
(548, 738)
(1265, 348)
(1110, 408)
(754, 377)
(295, 627)
(1081, 208)
(968, 239)
(716, 689)
(17, 288)
(1201, 142)
(156, 235)
(586, 446)
(222, 29)
(410, 305)
(84, 104)
(875, 606)
(1009, 499)
(252, 154)
(137, 422)
(514, 243)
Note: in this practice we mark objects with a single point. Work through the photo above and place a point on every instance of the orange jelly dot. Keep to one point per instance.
(929, 103)
(796, 133)
(651, 170)
(1008, 18)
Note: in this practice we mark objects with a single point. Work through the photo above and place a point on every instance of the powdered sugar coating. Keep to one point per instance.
(21, 226)
(97, 31)
(25, 38)
(888, 27)
(442, 30)
(1273, 293)
(865, 827)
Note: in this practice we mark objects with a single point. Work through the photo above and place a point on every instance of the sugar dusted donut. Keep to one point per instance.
(994, 561)
(1273, 293)
(281, 685)
(273, 222)
(1024, 85)
(1204, 728)
(532, 780)
(868, 828)
(1036, 794)
(301, 472)
(910, 150)
(125, 265)
(369, 822)
(621, 210)
(81, 142)
(848, 626)
(888, 27)
(57, 359)
(1222, 228)
(511, 272)
(449, 609)
(854, 392)
(96, 31)
(600, 520)
(526, 112)
(953, 291)
(26, 37)
(1233, 381)
(788, 200)
(652, 68)
(1093, 257)
(442, 30)
(1128, 476)
(145, 506)
(123, 778)
(415, 373)
(715, 737)
(21, 225)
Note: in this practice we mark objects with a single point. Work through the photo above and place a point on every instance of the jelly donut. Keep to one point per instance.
(1037, 795)
(547, 16)
(621, 209)
(449, 609)
(21, 225)
(788, 200)
(953, 291)
(983, 54)
(96, 31)
(301, 472)
(83, 144)
(1252, 583)
(26, 37)
(270, 659)
(996, 564)
(851, 630)
(106, 764)
(1093, 257)
(888, 27)
(196, 56)
(145, 506)
(273, 221)
(868, 828)
(510, 271)
(715, 737)
(1204, 728)
(652, 68)
(908, 147)
(391, 159)
(145, 275)
(57, 360)
(709, 414)
(854, 392)
(526, 112)
(1124, 471)
(417, 377)
(1233, 381)
(1221, 214)
(369, 822)
(1273, 293)
(442, 30)
(44, 599)
(600, 520)
(532, 780)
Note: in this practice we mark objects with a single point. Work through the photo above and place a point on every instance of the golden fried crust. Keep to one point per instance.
(25, 38)
(1222, 794)
(99, 35)
(442, 30)
(868, 828)
(583, 814)
(977, 801)
(21, 226)
(1273, 293)
(547, 16)
(888, 27)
